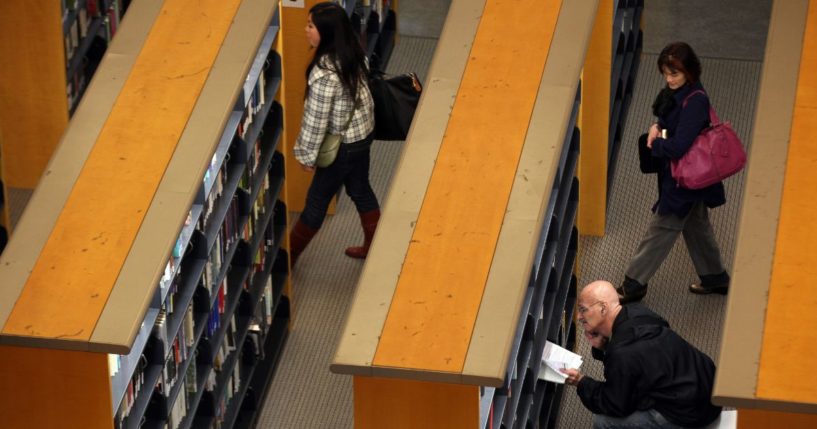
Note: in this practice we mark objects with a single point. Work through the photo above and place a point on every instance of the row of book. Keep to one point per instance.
(197, 358)
(252, 348)
(232, 229)
(255, 104)
(135, 386)
(180, 348)
(213, 197)
(89, 25)
(176, 350)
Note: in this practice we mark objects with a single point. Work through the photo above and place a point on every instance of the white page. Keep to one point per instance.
(555, 353)
(556, 358)
(548, 374)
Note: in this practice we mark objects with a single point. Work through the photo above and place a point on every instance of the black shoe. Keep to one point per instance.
(631, 291)
(711, 283)
(700, 289)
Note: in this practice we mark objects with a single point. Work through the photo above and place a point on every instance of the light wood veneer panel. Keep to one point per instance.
(789, 352)
(95, 230)
(432, 315)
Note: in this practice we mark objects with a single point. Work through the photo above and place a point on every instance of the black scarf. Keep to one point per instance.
(664, 102)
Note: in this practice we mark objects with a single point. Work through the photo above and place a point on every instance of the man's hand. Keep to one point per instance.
(307, 168)
(595, 339)
(573, 376)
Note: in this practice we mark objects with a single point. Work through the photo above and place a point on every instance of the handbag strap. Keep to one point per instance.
(713, 117)
(351, 115)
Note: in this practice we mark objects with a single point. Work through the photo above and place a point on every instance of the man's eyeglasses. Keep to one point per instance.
(583, 310)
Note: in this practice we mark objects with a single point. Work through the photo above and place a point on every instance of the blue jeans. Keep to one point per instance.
(351, 170)
(649, 419)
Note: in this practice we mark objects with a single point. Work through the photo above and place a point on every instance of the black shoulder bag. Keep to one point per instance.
(395, 100)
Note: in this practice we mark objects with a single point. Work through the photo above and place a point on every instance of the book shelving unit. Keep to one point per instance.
(628, 40)
(763, 355)
(547, 310)
(607, 84)
(477, 361)
(191, 331)
(376, 21)
(48, 49)
(88, 27)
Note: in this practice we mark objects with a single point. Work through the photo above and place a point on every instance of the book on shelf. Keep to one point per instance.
(82, 21)
(92, 6)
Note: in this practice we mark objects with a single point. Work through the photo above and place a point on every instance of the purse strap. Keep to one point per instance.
(351, 115)
(713, 117)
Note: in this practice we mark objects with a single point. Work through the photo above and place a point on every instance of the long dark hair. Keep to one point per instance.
(339, 44)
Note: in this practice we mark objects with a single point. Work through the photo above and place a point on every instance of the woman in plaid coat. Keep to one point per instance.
(338, 101)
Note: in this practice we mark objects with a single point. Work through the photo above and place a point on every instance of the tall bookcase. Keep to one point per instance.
(217, 316)
(376, 21)
(547, 312)
(628, 40)
(87, 27)
(223, 320)
(220, 314)
(47, 49)
(607, 81)
(490, 379)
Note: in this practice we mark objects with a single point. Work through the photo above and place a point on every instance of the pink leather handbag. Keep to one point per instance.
(716, 154)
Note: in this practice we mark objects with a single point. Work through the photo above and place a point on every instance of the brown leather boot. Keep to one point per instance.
(368, 221)
(299, 238)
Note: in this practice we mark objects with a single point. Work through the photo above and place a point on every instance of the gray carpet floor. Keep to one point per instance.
(304, 394)
(732, 86)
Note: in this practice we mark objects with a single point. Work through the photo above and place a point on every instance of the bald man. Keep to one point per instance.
(654, 378)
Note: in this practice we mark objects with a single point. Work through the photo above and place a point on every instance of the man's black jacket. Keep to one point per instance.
(648, 366)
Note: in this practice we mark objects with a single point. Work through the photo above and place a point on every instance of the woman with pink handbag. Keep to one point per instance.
(682, 108)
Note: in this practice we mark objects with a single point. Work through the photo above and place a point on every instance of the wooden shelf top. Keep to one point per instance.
(769, 342)
(84, 263)
(441, 291)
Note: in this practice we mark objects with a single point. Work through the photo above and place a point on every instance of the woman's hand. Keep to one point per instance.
(653, 134)
(307, 168)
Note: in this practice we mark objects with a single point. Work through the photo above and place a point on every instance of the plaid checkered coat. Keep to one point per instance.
(327, 108)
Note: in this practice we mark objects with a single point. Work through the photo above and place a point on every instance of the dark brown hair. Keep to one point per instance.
(340, 44)
(679, 56)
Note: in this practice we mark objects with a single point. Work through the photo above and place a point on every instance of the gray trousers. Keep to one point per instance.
(661, 235)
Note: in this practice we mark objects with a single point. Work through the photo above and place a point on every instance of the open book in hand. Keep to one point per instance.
(556, 358)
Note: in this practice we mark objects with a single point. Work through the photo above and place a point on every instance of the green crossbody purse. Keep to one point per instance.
(331, 144)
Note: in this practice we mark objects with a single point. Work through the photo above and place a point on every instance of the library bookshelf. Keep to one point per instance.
(50, 53)
(429, 343)
(618, 25)
(765, 355)
(187, 329)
